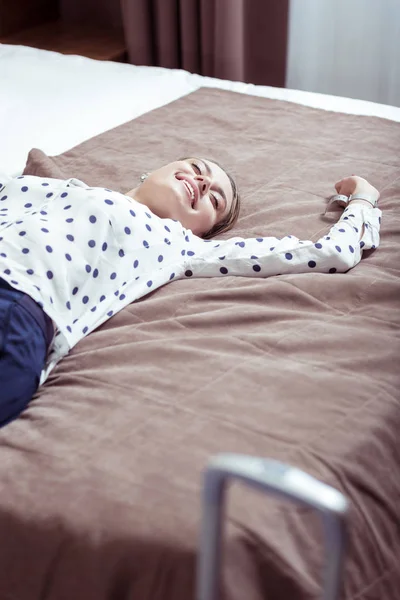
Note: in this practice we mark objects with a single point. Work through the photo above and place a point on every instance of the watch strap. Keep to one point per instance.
(343, 200)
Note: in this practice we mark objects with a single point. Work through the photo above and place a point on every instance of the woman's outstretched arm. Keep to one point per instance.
(337, 251)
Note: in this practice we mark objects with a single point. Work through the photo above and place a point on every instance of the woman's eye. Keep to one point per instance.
(196, 168)
(216, 202)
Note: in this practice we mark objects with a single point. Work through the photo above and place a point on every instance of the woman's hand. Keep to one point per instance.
(357, 185)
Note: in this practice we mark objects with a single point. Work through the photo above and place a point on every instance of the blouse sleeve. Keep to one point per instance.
(338, 251)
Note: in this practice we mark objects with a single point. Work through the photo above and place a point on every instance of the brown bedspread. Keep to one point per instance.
(101, 476)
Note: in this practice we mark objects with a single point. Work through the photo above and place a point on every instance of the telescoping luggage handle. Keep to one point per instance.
(277, 479)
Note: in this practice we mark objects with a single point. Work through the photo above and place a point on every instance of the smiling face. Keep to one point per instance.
(197, 192)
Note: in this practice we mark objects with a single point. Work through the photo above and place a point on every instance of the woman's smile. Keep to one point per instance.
(191, 189)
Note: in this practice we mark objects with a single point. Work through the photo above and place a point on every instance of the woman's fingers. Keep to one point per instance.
(347, 185)
(356, 184)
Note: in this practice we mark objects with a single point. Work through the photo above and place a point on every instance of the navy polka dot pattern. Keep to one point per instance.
(337, 252)
(79, 247)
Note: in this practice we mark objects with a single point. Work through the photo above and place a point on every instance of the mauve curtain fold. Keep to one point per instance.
(167, 32)
(242, 40)
(229, 49)
(190, 38)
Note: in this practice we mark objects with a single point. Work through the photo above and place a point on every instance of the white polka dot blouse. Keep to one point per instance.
(85, 253)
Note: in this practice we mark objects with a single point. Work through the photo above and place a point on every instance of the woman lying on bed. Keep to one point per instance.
(72, 256)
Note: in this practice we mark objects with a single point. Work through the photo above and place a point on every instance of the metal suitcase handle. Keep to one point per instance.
(280, 480)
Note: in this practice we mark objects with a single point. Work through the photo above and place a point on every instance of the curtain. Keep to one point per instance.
(346, 47)
(241, 40)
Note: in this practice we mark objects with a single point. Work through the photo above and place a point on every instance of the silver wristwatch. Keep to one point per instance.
(343, 200)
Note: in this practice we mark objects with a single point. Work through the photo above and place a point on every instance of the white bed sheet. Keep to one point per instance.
(54, 102)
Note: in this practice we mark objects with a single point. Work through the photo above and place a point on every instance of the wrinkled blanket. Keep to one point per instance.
(101, 475)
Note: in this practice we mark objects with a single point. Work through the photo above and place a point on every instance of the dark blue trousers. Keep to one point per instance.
(24, 338)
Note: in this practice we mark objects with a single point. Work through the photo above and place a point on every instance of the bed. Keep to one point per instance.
(102, 474)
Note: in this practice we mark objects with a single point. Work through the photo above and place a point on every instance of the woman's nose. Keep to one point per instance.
(204, 183)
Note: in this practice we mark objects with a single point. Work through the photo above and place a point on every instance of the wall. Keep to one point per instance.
(100, 12)
(20, 14)
(345, 48)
